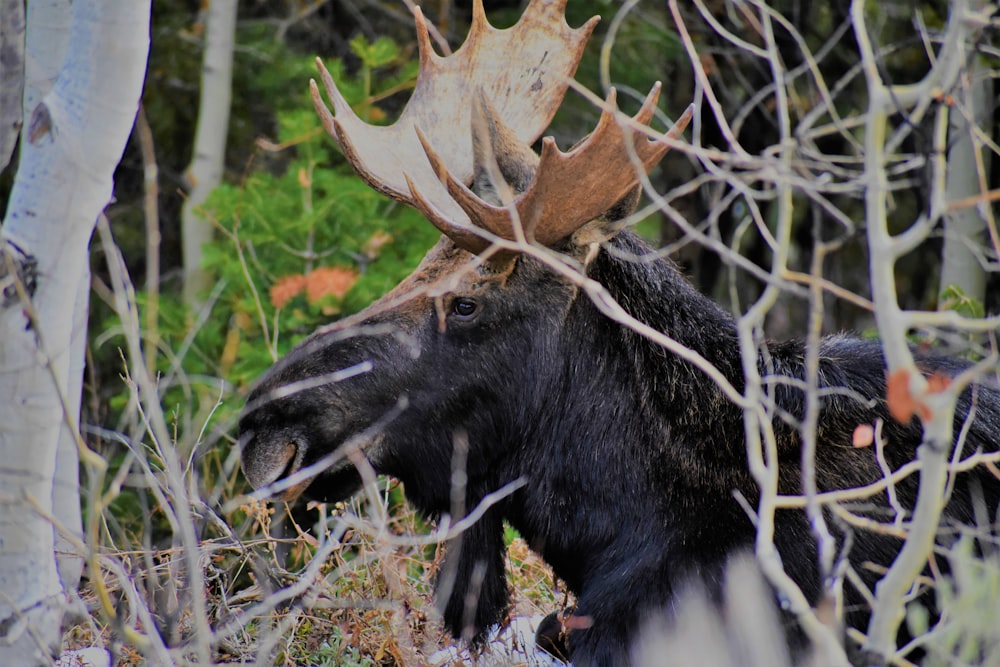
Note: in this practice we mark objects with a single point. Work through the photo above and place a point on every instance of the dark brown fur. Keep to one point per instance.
(630, 457)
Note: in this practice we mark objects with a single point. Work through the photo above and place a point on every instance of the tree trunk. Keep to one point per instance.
(71, 142)
(66, 480)
(967, 177)
(47, 42)
(205, 171)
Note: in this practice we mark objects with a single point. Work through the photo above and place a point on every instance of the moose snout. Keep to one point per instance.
(265, 462)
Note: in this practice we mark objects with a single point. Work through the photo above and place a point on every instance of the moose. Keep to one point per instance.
(618, 460)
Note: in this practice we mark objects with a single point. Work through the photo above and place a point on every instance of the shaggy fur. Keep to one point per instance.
(630, 456)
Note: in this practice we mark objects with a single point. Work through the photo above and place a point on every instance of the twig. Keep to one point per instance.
(151, 213)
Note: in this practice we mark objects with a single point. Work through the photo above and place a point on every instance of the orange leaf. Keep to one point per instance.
(329, 281)
(864, 435)
(577, 622)
(938, 383)
(902, 404)
(286, 289)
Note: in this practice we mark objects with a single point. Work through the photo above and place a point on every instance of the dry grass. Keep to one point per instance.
(340, 591)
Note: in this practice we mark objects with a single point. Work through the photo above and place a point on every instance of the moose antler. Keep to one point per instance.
(524, 69)
(517, 78)
(569, 189)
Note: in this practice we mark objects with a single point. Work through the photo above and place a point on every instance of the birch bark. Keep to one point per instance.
(967, 178)
(72, 139)
(205, 171)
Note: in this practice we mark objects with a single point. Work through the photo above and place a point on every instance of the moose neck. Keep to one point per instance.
(670, 390)
(636, 417)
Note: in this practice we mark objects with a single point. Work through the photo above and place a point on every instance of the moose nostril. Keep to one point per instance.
(265, 463)
(287, 455)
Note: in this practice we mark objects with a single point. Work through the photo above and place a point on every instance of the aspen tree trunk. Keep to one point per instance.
(967, 177)
(72, 139)
(205, 171)
(51, 22)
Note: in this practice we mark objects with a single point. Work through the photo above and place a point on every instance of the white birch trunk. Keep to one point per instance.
(66, 480)
(51, 23)
(967, 174)
(48, 37)
(205, 171)
(71, 143)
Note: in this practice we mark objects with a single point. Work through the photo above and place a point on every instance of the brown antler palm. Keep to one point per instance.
(425, 159)
(569, 189)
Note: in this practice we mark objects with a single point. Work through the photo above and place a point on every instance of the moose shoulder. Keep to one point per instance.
(625, 460)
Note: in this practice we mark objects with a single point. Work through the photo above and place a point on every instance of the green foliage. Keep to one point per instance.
(280, 227)
(967, 633)
(954, 298)
(301, 242)
(314, 224)
(267, 76)
(335, 651)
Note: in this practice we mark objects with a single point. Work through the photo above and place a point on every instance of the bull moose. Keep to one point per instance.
(621, 459)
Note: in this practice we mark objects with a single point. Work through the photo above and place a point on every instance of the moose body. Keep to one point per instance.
(618, 461)
(630, 457)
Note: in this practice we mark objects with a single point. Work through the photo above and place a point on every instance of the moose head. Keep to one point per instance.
(496, 376)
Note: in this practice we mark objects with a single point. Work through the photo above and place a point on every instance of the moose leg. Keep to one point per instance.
(472, 585)
(623, 597)
(602, 634)
(613, 609)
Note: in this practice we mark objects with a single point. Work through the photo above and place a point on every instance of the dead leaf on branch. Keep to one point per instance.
(901, 401)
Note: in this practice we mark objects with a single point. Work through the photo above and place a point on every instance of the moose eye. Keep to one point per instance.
(463, 308)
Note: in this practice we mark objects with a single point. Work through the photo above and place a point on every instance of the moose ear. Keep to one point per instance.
(606, 225)
(503, 165)
(624, 207)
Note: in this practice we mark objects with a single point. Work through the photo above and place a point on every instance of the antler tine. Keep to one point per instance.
(571, 189)
(464, 235)
(603, 168)
(526, 91)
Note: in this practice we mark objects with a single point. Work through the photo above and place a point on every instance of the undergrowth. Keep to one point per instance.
(301, 241)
